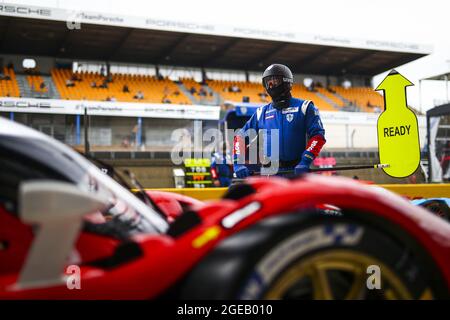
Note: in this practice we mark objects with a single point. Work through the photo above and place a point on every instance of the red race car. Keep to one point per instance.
(70, 231)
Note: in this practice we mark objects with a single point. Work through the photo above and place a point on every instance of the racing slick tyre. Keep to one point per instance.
(308, 256)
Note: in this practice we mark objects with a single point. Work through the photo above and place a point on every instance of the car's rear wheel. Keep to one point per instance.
(311, 256)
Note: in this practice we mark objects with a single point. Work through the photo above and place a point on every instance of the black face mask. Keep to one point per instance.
(279, 90)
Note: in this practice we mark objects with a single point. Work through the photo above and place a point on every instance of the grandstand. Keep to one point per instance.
(8, 83)
(156, 43)
(94, 86)
(36, 83)
(363, 97)
(119, 87)
(238, 90)
(319, 101)
(143, 78)
(200, 92)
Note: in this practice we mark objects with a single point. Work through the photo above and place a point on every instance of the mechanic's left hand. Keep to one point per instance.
(301, 168)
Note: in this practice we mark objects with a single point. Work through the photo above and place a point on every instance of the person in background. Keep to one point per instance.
(109, 78)
(139, 95)
(104, 84)
(234, 88)
(134, 133)
(74, 77)
(166, 91)
(330, 89)
(126, 142)
(70, 83)
(103, 70)
(263, 96)
(221, 167)
(125, 88)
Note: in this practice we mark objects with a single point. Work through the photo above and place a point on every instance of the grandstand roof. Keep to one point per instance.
(442, 76)
(438, 111)
(241, 49)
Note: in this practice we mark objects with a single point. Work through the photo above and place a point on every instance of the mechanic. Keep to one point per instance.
(221, 170)
(301, 135)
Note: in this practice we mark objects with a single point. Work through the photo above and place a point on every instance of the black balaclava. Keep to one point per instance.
(277, 80)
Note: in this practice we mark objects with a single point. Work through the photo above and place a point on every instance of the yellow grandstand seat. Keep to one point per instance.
(190, 83)
(35, 81)
(154, 90)
(300, 91)
(338, 102)
(254, 91)
(363, 97)
(9, 88)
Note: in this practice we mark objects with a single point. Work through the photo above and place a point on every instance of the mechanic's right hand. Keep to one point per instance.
(242, 172)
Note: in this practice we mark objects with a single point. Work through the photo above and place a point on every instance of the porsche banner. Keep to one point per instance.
(104, 108)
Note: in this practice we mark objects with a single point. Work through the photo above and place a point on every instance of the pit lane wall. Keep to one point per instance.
(411, 191)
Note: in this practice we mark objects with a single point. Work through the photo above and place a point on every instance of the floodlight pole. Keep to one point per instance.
(420, 96)
(86, 132)
(446, 88)
(429, 150)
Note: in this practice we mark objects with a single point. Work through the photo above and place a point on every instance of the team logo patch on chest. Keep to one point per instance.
(290, 117)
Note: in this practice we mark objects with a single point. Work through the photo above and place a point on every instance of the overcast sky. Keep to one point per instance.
(425, 22)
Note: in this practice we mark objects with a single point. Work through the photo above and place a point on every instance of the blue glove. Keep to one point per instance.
(305, 163)
(301, 168)
(241, 171)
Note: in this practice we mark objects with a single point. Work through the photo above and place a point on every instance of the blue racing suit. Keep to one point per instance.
(300, 134)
